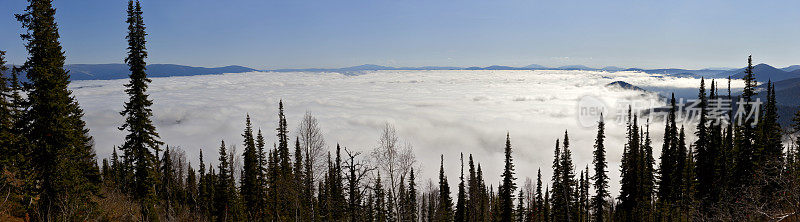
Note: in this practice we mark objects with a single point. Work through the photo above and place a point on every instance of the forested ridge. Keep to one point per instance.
(746, 169)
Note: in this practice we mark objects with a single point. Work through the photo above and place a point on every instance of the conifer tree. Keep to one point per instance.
(600, 177)
(461, 200)
(65, 173)
(412, 197)
(473, 192)
(204, 197)
(547, 215)
(647, 174)
(558, 199)
(540, 203)
(744, 135)
(223, 201)
(769, 154)
(191, 188)
(166, 181)
(508, 186)
(667, 166)
(250, 186)
(519, 213)
(380, 200)
(8, 137)
(444, 211)
(564, 195)
(584, 196)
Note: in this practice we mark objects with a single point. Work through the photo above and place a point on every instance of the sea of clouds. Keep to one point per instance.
(438, 112)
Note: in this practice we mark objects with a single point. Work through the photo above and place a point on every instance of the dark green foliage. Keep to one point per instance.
(508, 186)
(461, 199)
(251, 188)
(600, 177)
(64, 169)
(411, 204)
(583, 196)
(142, 138)
(380, 200)
(224, 197)
(564, 197)
(539, 207)
(520, 211)
(444, 210)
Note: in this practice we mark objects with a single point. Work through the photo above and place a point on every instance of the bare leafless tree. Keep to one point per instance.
(393, 159)
(313, 144)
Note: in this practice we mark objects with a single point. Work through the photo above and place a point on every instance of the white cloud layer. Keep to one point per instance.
(438, 112)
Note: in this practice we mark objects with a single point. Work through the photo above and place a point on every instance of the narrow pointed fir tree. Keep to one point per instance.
(142, 138)
(769, 157)
(284, 171)
(412, 197)
(380, 200)
(302, 193)
(444, 211)
(473, 192)
(483, 199)
(166, 182)
(585, 200)
(538, 212)
(547, 211)
(600, 177)
(564, 196)
(9, 148)
(461, 199)
(667, 165)
(520, 211)
(64, 169)
(558, 194)
(648, 176)
(508, 186)
(705, 158)
(250, 186)
(223, 201)
(203, 196)
(744, 138)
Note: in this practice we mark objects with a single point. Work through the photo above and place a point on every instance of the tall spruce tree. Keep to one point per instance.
(7, 122)
(250, 186)
(508, 186)
(65, 172)
(142, 138)
(600, 177)
(444, 210)
(473, 192)
(461, 199)
(540, 203)
(564, 185)
(412, 197)
(223, 198)
(667, 166)
(705, 158)
(744, 135)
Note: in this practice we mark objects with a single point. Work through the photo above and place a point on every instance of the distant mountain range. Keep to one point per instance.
(763, 72)
(120, 71)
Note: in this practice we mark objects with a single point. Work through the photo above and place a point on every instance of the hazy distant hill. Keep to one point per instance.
(575, 67)
(120, 71)
(763, 73)
(791, 68)
(624, 85)
(535, 66)
(612, 68)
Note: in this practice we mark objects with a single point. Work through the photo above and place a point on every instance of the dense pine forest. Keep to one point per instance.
(742, 170)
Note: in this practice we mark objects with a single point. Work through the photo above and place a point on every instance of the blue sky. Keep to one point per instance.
(311, 33)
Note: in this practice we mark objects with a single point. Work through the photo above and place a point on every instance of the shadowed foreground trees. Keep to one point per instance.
(738, 169)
